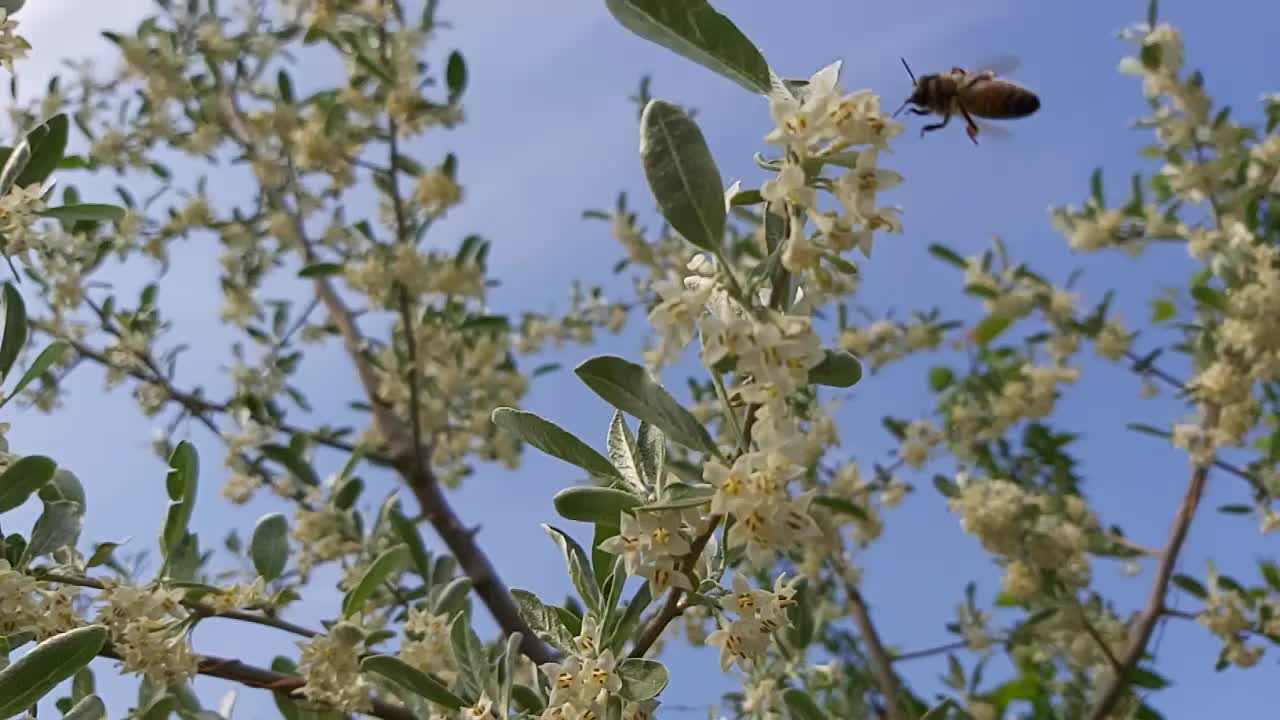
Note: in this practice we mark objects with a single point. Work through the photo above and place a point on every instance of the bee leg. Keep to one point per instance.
(946, 118)
(918, 111)
(972, 128)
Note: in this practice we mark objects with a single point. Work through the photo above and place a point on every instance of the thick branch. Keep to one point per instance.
(881, 661)
(1146, 622)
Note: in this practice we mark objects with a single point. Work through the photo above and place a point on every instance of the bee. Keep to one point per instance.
(978, 93)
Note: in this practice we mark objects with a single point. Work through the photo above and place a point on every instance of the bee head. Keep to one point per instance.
(917, 90)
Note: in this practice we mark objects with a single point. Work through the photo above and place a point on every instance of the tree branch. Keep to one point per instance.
(881, 661)
(263, 679)
(1146, 622)
(672, 608)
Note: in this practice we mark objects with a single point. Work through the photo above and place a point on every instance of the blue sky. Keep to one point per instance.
(551, 132)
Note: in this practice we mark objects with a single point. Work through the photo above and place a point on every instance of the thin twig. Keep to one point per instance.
(673, 608)
(193, 605)
(930, 652)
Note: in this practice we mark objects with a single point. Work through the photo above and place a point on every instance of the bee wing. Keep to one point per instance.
(993, 132)
(998, 65)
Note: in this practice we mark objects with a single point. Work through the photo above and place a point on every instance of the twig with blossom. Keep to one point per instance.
(881, 660)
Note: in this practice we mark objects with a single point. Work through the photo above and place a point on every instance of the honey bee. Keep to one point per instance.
(978, 93)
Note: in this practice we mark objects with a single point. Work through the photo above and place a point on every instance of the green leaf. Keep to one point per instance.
(1153, 13)
(642, 679)
(1095, 187)
(293, 460)
(57, 527)
(579, 566)
(594, 504)
(1149, 430)
(652, 454)
(990, 328)
(15, 329)
(630, 619)
(383, 567)
(412, 539)
(841, 505)
(1162, 310)
(693, 29)
(746, 197)
(91, 212)
(544, 621)
(411, 679)
(43, 362)
(286, 87)
(1271, 573)
(946, 487)
(1211, 298)
(947, 255)
(452, 595)
(682, 174)
(1191, 586)
(553, 440)
(528, 700)
(23, 478)
(802, 706)
(181, 484)
(89, 708)
(269, 546)
(48, 143)
(628, 387)
(940, 378)
(318, 270)
(837, 369)
(623, 453)
(509, 665)
(455, 75)
(1148, 679)
(14, 164)
(46, 666)
(101, 554)
(1235, 509)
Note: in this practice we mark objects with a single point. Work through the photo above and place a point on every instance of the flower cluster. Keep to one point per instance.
(1040, 535)
(582, 684)
(1230, 614)
(330, 665)
(150, 629)
(816, 122)
(760, 613)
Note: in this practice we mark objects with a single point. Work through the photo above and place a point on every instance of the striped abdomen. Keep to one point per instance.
(999, 99)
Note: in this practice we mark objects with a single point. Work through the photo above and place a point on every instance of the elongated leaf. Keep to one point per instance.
(269, 546)
(682, 174)
(594, 504)
(57, 527)
(802, 706)
(411, 679)
(630, 619)
(94, 212)
(412, 539)
(14, 164)
(579, 566)
(294, 461)
(510, 658)
(623, 453)
(451, 597)
(89, 708)
(628, 387)
(15, 329)
(317, 270)
(696, 31)
(653, 454)
(43, 362)
(544, 621)
(991, 328)
(46, 666)
(23, 478)
(378, 571)
(553, 440)
(48, 143)
(181, 484)
(837, 369)
(455, 75)
(642, 678)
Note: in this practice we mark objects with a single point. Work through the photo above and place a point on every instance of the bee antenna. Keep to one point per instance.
(899, 110)
(908, 67)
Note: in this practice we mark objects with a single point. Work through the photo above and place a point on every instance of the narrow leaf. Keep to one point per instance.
(553, 440)
(682, 174)
(595, 504)
(46, 666)
(411, 679)
(378, 571)
(628, 387)
(23, 478)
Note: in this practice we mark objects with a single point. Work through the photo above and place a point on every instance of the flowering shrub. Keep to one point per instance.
(730, 511)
